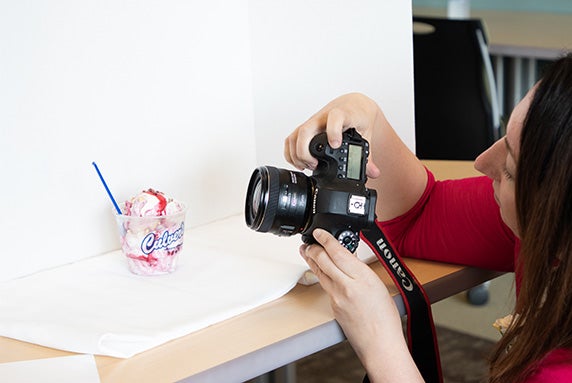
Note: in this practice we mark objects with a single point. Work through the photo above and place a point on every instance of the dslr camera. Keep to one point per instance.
(333, 198)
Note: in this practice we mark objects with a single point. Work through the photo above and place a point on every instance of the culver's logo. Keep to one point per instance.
(167, 240)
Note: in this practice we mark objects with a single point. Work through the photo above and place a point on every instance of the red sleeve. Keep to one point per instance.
(455, 221)
(556, 367)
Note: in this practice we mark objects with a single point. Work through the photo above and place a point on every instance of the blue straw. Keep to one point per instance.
(107, 189)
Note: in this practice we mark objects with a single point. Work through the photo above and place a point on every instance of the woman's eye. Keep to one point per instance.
(507, 174)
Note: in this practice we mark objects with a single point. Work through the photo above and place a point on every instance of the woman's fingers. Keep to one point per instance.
(306, 132)
(335, 127)
(332, 258)
(296, 145)
(321, 264)
(290, 150)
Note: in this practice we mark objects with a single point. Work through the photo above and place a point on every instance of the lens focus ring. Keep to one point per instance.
(276, 201)
(272, 192)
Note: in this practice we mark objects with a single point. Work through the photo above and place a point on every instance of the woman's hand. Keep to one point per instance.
(404, 177)
(364, 309)
(351, 110)
(361, 302)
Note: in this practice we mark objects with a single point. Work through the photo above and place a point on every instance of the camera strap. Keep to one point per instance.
(421, 337)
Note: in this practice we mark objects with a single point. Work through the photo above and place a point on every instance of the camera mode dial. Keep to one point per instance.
(349, 240)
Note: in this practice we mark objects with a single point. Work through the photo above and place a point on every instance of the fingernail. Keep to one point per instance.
(317, 233)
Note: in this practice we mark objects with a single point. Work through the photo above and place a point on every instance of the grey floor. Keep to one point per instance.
(457, 314)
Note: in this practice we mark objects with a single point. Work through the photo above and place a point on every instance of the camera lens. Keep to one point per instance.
(277, 200)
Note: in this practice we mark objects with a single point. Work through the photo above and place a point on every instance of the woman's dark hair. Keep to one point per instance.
(544, 216)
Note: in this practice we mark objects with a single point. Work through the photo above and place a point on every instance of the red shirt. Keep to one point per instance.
(455, 221)
(458, 221)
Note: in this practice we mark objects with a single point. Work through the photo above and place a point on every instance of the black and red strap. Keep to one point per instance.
(421, 337)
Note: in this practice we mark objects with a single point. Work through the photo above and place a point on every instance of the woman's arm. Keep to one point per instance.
(364, 309)
(394, 171)
(361, 302)
(460, 223)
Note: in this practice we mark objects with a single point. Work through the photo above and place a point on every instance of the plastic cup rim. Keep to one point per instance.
(183, 211)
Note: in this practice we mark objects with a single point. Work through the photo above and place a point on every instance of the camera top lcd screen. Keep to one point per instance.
(354, 162)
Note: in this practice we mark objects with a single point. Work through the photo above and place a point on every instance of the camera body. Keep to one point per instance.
(334, 198)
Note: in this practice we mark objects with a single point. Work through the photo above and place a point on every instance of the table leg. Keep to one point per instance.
(285, 374)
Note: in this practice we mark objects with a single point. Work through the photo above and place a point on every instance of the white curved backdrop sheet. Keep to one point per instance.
(97, 306)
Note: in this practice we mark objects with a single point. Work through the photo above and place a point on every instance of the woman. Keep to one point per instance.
(517, 218)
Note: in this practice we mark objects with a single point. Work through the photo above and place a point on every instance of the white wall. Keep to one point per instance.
(171, 95)
(305, 53)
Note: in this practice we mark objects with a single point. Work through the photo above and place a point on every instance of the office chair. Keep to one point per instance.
(456, 108)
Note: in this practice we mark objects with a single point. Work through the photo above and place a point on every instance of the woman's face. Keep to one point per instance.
(499, 163)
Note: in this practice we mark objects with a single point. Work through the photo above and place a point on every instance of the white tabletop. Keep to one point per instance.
(264, 338)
